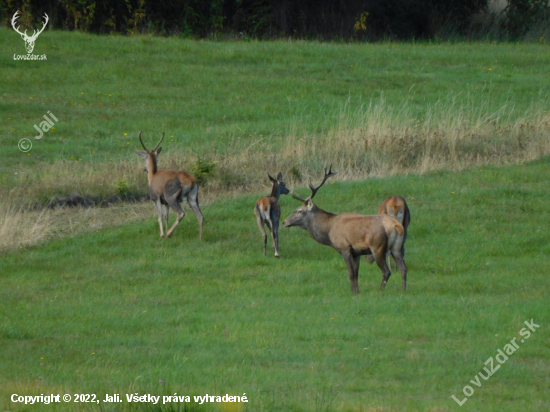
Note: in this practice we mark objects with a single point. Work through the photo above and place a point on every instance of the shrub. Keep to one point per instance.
(202, 170)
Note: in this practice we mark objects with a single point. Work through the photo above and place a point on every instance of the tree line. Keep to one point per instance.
(315, 19)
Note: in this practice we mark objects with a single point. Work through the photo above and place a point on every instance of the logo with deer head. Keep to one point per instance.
(29, 40)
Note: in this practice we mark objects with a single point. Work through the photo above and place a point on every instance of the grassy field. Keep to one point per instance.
(217, 100)
(115, 309)
(122, 311)
(247, 107)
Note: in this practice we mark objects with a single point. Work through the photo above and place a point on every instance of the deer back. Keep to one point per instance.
(396, 206)
(269, 205)
(172, 180)
(359, 232)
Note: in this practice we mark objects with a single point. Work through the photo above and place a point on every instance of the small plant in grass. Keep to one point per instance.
(202, 170)
(122, 187)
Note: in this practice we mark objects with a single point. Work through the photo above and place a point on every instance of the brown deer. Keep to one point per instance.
(396, 206)
(169, 187)
(268, 211)
(352, 235)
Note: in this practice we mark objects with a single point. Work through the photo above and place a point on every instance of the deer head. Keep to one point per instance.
(29, 40)
(303, 216)
(279, 187)
(150, 156)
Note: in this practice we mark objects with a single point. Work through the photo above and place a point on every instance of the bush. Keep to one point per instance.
(523, 15)
(259, 18)
(202, 170)
(122, 187)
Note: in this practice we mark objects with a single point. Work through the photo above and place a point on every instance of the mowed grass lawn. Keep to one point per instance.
(123, 311)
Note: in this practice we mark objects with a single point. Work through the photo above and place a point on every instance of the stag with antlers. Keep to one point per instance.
(352, 235)
(268, 211)
(29, 40)
(169, 187)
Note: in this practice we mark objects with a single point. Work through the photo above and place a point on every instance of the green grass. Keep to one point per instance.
(119, 311)
(206, 94)
(244, 108)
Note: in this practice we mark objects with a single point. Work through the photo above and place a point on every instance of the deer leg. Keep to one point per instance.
(356, 260)
(159, 211)
(398, 253)
(381, 262)
(399, 257)
(271, 227)
(167, 213)
(177, 207)
(275, 229)
(400, 262)
(275, 236)
(389, 255)
(369, 258)
(260, 222)
(193, 200)
(353, 270)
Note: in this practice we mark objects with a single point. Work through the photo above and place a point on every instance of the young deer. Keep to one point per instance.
(268, 211)
(169, 187)
(352, 235)
(396, 206)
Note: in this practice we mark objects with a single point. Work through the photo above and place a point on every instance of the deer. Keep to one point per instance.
(29, 40)
(352, 235)
(169, 187)
(396, 206)
(268, 211)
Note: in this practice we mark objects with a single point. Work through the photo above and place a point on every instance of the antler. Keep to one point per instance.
(158, 144)
(13, 19)
(327, 175)
(35, 35)
(313, 188)
(141, 141)
(160, 141)
(295, 196)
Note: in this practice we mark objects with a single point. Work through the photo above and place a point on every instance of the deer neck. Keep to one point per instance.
(319, 225)
(275, 191)
(151, 168)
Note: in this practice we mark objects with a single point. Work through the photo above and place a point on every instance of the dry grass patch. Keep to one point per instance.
(373, 140)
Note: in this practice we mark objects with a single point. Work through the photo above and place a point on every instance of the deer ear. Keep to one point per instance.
(142, 153)
(159, 150)
(270, 178)
(280, 176)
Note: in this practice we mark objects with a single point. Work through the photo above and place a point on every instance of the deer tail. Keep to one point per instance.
(400, 229)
